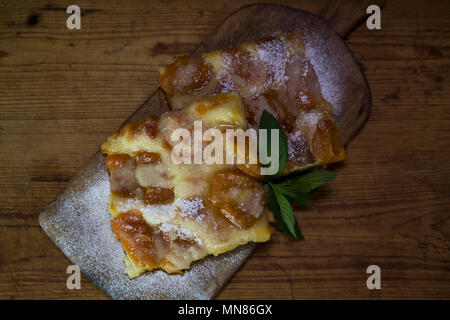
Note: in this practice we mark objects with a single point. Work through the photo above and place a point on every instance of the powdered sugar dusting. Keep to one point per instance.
(173, 232)
(191, 208)
(226, 84)
(331, 81)
(297, 147)
(311, 118)
(304, 99)
(274, 55)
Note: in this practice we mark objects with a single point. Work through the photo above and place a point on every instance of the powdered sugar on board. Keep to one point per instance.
(330, 81)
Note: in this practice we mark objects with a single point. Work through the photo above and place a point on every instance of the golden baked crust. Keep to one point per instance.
(168, 215)
(272, 74)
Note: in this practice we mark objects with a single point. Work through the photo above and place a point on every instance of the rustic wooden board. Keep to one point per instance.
(78, 221)
(62, 93)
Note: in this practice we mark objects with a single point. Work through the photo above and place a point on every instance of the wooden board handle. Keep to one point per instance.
(345, 15)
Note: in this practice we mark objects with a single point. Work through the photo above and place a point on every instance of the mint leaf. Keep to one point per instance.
(293, 194)
(307, 182)
(268, 121)
(275, 208)
(302, 198)
(287, 190)
(296, 190)
(283, 212)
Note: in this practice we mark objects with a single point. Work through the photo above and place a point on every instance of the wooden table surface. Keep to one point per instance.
(63, 92)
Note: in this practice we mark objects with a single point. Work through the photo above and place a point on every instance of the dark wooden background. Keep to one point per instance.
(63, 92)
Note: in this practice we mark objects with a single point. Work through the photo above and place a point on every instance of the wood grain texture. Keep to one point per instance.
(62, 93)
(346, 15)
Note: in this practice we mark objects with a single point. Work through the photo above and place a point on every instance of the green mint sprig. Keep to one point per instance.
(296, 189)
(268, 121)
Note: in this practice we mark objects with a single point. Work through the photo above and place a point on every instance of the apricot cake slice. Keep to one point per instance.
(272, 74)
(168, 215)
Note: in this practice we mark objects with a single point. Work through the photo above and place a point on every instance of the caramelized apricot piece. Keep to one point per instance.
(197, 75)
(145, 157)
(121, 168)
(117, 161)
(326, 144)
(144, 244)
(157, 195)
(148, 126)
(237, 197)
